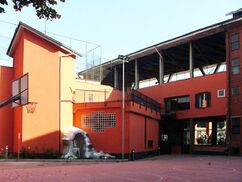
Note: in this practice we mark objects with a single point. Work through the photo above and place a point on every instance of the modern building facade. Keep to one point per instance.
(196, 79)
(180, 96)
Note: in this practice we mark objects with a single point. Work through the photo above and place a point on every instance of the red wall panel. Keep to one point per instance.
(6, 112)
(209, 83)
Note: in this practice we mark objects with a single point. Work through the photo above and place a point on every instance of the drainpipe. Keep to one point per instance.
(229, 95)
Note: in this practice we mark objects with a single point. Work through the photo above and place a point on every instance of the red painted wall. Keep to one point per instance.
(137, 132)
(18, 71)
(208, 83)
(107, 141)
(111, 139)
(6, 112)
(152, 129)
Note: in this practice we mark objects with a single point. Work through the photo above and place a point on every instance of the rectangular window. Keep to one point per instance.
(235, 66)
(177, 103)
(235, 91)
(210, 132)
(221, 133)
(235, 41)
(236, 125)
(221, 93)
(203, 100)
(203, 133)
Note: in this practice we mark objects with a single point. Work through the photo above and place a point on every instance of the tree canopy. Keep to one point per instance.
(43, 8)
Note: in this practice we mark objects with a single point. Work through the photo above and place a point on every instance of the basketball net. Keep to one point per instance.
(31, 107)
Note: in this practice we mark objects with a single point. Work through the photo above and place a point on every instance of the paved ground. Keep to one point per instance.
(162, 168)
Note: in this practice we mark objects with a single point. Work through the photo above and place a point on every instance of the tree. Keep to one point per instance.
(44, 8)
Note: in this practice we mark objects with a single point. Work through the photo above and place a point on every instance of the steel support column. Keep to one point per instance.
(115, 77)
(191, 63)
(136, 68)
(161, 68)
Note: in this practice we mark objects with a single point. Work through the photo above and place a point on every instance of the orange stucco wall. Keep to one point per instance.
(6, 112)
(41, 62)
(18, 71)
(39, 58)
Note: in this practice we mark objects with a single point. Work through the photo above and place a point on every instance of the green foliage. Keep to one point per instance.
(43, 8)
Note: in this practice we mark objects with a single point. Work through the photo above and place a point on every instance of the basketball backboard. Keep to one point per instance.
(20, 87)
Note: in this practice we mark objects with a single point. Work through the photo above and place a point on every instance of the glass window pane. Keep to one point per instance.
(236, 125)
(235, 62)
(221, 133)
(235, 91)
(236, 70)
(235, 37)
(235, 41)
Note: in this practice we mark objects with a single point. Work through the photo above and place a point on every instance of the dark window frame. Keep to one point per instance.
(234, 92)
(235, 66)
(202, 100)
(177, 103)
(235, 41)
(235, 125)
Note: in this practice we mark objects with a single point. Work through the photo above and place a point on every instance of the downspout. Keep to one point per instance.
(228, 143)
(59, 124)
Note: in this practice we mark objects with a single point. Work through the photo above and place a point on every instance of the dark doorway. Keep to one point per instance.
(174, 136)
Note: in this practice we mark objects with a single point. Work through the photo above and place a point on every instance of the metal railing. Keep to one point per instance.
(145, 101)
(114, 95)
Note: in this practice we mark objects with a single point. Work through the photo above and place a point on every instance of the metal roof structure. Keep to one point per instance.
(209, 48)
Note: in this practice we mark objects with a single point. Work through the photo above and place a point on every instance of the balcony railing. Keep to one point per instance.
(144, 100)
(113, 95)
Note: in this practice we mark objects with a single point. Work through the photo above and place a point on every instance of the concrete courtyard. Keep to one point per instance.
(160, 168)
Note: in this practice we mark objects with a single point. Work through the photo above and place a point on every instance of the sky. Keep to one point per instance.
(120, 26)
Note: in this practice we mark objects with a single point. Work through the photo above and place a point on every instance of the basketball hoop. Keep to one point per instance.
(31, 107)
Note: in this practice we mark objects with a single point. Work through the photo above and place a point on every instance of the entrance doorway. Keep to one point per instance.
(174, 136)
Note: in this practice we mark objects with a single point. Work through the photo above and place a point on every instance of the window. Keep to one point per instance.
(203, 133)
(236, 125)
(221, 93)
(235, 91)
(202, 100)
(210, 132)
(221, 133)
(235, 66)
(177, 103)
(98, 121)
(235, 41)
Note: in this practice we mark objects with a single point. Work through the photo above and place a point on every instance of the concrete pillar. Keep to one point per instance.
(101, 74)
(161, 68)
(115, 77)
(191, 135)
(191, 63)
(136, 70)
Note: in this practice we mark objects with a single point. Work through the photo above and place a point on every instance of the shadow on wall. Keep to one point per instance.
(45, 146)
